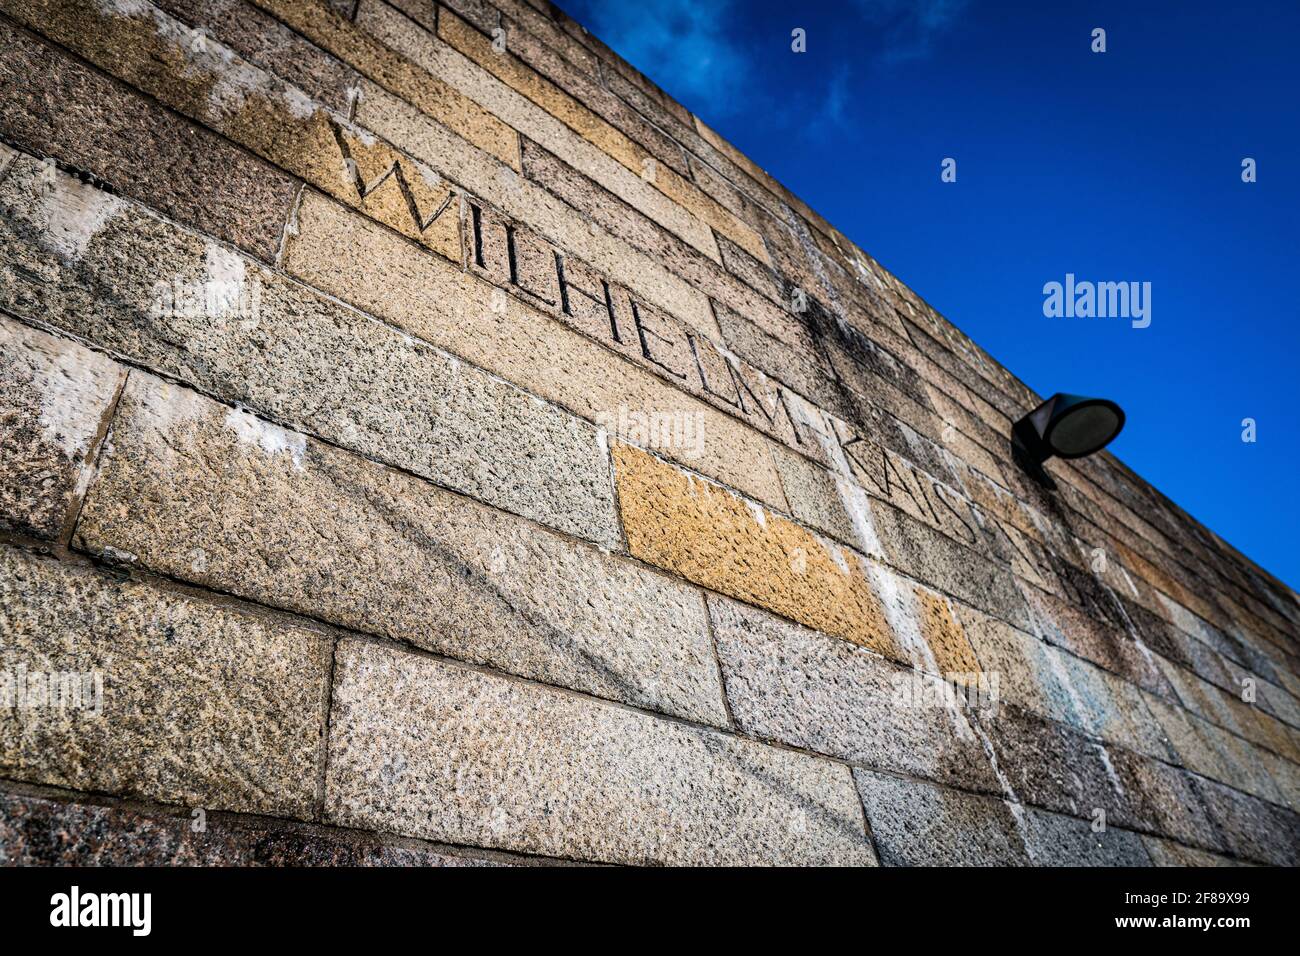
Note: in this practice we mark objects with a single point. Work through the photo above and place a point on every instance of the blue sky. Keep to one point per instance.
(1121, 166)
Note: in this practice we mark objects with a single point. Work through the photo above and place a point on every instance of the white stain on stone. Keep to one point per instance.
(366, 137)
(125, 8)
(71, 215)
(1008, 791)
(299, 104)
(1137, 638)
(226, 273)
(757, 513)
(899, 603)
(858, 507)
(271, 439)
(71, 393)
(1063, 679)
(72, 385)
(430, 176)
(837, 555)
(1110, 768)
(1127, 580)
(117, 554)
(168, 407)
(234, 80)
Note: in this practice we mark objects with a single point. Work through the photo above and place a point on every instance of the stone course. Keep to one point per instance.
(427, 443)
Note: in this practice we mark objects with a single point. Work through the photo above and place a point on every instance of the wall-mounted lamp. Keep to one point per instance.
(1064, 426)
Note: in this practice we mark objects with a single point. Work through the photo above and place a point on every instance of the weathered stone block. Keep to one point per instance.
(53, 105)
(610, 213)
(1168, 853)
(201, 491)
(1110, 708)
(399, 75)
(808, 690)
(469, 78)
(923, 553)
(1252, 829)
(595, 130)
(1159, 798)
(54, 398)
(105, 270)
(41, 831)
(828, 503)
(180, 699)
(1083, 631)
(1285, 776)
(1057, 840)
(269, 44)
(526, 202)
(1028, 669)
(919, 824)
(144, 46)
(427, 749)
(342, 253)
(1050, 765)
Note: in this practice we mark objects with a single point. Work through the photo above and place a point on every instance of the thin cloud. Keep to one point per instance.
(835, 102)
(910, 28)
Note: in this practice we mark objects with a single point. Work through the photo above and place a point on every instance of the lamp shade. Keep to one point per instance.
(1067, 426)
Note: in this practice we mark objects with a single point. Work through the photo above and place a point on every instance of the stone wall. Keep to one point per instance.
(426, 442)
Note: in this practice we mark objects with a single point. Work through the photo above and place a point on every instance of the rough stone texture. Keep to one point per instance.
(201, 704)
(782, 349)
(1169, 853)
(340, 252)
(1162, 799)
(1049, 765)
(914, 823)
(43, 831)
(208, 82)
(1028, 669)
(528, 38)
(710, 536)
(949, 651)
(923, 553)
(52, 105)
(828, 503)
(1252, 829)
(468, 77)
(1093, 638)
(808, 690)
(263, 41)
(701, 209)
(1213, 752)
(522, 199)
(620, 220)
(54, 396)
(184, 478)
(652, 506)
(430, 750)
(1208, 701)
(1285, 775)
(1057, 840)
(294, 355)
(1109, 708)
(399, 75)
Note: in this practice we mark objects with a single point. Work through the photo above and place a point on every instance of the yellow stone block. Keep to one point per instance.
(717, 539)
